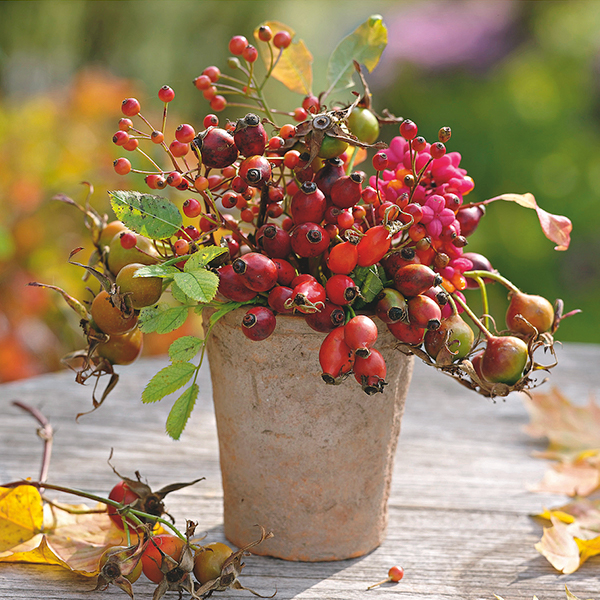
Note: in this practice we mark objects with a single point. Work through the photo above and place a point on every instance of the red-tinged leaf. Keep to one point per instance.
(556, 228)
(294, 68)
(559, 547)
(570, 429)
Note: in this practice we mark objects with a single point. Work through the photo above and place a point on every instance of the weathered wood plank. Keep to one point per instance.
(459, 510)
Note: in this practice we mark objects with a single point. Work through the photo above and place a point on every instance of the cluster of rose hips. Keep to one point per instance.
(310, 228)
(173, 561)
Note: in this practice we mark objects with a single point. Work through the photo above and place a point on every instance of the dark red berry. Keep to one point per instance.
(370, 372)
(336, 357)
(309, 240)
(258, 271)
(217, 148)
(258, 323)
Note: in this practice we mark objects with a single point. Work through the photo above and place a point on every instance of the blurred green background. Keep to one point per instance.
(518, 83)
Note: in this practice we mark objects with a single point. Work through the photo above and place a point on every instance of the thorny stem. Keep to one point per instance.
(45, 432)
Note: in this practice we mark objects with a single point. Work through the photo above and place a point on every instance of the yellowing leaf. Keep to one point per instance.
(571, 596)
(21, 515)
(556, 228)
(73, 541)
(294, 68)
(570, 429)
(364, 45)
(588, 548)
(558, 514)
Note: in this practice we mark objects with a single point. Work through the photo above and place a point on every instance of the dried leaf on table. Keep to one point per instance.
(574, 534)
(73, 541)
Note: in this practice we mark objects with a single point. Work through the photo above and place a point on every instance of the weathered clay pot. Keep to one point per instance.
(309, 461)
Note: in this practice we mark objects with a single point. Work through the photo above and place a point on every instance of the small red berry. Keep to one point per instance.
(213, 73)
(128, 240)
(237, 44)
(166, 94)
(192, 208)
(130, 107)
(120, 138)
(300, 114)
(218, 103)
(122, 166)
(210, 121)
(250, 53)
(185, 133)
(203, 82)
(408, 129)
(264, 33)
(157, 137)
(437, 150)
(178, 148)
(282, 40)
(311, 104)
(131, 144)
(174, 179)
(125, 124)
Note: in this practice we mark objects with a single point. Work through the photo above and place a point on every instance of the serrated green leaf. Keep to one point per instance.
(202, 257)
(162, 318)
(200, 285)
(179, 295)
(181, 411)
(364, 45)
(167, 381)
(185, 348)
(156, 271)
(152, 216)
(294, 68)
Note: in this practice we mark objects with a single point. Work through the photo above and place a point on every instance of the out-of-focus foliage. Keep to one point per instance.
(518, 83)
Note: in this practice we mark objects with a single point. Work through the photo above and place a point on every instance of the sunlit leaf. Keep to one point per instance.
(167, 381)
(73, 541)
(574, 477)
(185, 348)
(152, 216)
(556, 228)
(200, 285)
(202, 257)
(294, 68)
(364, 45)
(181, 411)
(162, 318)
(21, 515)
(558, 546)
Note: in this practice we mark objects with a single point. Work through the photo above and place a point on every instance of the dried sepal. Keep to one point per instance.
(121, 566)
(148, 501)
(231, 570)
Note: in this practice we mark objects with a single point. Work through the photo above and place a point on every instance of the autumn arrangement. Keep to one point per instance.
(271, 217)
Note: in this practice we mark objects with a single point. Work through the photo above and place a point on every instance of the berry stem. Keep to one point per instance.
(484, 300)
(473, 316)
(495, 276)
(45, 432)
(138, 149)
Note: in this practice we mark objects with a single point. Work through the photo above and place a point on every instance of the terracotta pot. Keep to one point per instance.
(312, 462)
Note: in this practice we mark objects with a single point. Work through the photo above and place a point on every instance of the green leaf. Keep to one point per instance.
(185, 348)
(369, 281)
(152, 216)
(180, 413)
(364, 45)
(202, 257)
(168, 380)
(200, 285)
(227, 308)
(179, 295)
(156, 271)
(162, 318)
(294, 68)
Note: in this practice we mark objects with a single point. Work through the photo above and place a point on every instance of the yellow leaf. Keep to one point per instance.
(294, 68)
(560, 515)
(587, 548)
(571, 596)
(559, 547)
(21, 515)
(73, 541)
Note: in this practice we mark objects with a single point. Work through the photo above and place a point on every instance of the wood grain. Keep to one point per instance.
(460, 507)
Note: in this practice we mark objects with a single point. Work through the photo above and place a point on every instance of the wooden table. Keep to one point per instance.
(459, 511)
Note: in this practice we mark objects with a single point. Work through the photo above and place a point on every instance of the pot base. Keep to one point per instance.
(309, 461)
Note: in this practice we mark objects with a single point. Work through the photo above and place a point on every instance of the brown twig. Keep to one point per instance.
(45, 432)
